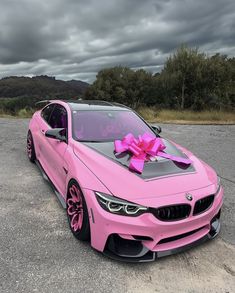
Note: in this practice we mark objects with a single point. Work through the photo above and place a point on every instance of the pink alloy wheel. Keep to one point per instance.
(29, 146)
(75, 208)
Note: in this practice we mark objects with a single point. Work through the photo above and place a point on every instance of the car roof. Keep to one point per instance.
(92, 105)
(95, 105)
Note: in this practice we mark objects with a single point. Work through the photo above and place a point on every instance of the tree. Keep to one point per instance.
(122, 85)
(183, 70)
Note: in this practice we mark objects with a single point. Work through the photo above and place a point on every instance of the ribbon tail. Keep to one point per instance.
(175, 158)
(137, 164)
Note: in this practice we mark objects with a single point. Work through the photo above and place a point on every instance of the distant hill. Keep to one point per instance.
(41, 86)
(78, 84)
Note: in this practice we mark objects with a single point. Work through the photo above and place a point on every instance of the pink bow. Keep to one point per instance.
(143, 149)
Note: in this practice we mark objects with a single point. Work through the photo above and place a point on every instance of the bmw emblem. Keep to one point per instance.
(189, 196)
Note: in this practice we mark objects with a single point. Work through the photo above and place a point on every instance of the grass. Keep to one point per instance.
(22, 113)
(188, 117)
(25, 113)
(152, 114)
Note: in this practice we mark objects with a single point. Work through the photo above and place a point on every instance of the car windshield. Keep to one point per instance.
(100, 126)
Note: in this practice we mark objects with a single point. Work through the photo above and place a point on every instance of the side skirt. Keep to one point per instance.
(46, 177)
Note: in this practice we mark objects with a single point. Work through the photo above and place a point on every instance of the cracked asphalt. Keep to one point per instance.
(38, 253)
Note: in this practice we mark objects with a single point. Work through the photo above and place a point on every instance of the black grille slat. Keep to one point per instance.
(172, 212)
(203, 204)
(177, 237)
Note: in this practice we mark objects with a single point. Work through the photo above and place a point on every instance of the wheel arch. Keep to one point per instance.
(68, 183)
(84, 177)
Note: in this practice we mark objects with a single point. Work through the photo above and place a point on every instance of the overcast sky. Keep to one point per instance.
(73, 39)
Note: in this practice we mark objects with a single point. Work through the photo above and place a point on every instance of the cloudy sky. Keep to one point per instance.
(74, 39)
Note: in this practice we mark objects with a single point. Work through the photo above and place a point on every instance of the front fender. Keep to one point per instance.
(82, 174)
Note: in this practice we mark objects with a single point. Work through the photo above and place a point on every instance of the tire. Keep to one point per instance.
(77, 212)
(30, 147)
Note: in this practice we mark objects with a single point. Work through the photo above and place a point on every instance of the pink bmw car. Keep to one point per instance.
(121, 183)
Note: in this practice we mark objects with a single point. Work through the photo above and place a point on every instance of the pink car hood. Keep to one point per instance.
(130, 186)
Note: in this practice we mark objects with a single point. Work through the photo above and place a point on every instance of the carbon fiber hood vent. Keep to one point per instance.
(161, 167)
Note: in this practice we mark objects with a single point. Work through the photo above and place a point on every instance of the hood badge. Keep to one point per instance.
(189, 196)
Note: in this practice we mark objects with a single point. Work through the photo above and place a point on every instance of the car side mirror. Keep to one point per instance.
(56, 133)
(157, 129)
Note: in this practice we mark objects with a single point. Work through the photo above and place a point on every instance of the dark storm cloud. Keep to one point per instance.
(75, 39)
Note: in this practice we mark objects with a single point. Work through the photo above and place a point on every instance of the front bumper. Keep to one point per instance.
(146, 255)
(145, 238)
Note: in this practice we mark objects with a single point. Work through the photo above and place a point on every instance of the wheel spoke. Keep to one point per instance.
(71, 210)
(29, 146)
(74, 222)
(75, 208)
(73, 194)
(79, 223)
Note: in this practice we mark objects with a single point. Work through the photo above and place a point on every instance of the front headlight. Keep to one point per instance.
(118, 206)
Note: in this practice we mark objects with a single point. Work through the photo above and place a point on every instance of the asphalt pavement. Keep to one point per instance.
(38, 253)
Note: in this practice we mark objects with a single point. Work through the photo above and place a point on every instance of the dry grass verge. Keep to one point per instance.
(163, 116)
(22, 113)
(187, 117)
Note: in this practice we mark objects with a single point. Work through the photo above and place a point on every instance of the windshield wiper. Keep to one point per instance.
(94, 141)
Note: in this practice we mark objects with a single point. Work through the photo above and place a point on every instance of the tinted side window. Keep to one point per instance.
(58, 117)
(46, 113)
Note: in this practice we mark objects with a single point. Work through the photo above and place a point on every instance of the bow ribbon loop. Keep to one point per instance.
(144, 148)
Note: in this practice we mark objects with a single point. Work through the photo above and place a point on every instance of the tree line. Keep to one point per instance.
(189, 80)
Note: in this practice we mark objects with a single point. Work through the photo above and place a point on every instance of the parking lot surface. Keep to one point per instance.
(38, 253)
